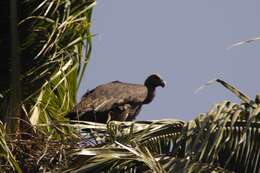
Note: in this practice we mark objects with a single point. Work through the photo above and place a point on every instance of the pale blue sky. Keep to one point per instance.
(184, 41)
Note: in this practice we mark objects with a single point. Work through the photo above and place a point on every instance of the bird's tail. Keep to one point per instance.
(71, 116)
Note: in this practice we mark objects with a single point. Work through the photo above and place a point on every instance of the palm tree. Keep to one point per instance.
(51, 46)
(225, 139)
(48, 45)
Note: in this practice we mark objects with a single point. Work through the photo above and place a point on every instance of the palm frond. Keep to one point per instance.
(57, 33)
(245, 42)
(6, 156)
(225, 139)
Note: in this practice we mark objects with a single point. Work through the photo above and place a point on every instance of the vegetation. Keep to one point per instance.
(225, 139)
(51, 55)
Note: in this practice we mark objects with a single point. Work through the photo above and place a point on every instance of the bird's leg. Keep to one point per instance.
(125, 115)
(95, 114)
(109, 116)
(124, 111)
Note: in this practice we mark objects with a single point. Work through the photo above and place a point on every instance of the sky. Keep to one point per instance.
(186, 42)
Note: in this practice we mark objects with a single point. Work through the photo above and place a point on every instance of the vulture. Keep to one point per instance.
(115, 101)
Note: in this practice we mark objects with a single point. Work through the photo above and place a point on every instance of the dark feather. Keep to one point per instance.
(112, 101)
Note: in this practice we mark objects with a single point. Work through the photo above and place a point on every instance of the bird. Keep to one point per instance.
(116, 100)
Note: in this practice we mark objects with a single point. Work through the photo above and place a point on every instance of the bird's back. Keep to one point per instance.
(111, 96)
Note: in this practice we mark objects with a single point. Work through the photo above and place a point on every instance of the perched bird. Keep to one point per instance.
(115, 101)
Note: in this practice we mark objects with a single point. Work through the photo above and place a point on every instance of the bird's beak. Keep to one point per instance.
(163, 83)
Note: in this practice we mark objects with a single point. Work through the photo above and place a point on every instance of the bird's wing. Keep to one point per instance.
(108, 96)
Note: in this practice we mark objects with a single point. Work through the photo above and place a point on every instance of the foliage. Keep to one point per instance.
(226, 139)
(6, 153)
(55, 33)
(50, 58)
(55, 46)
(53, 51)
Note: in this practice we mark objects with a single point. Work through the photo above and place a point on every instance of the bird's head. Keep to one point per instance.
(154, 80)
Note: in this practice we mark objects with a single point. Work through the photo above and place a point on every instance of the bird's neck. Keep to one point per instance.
(150, 95)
